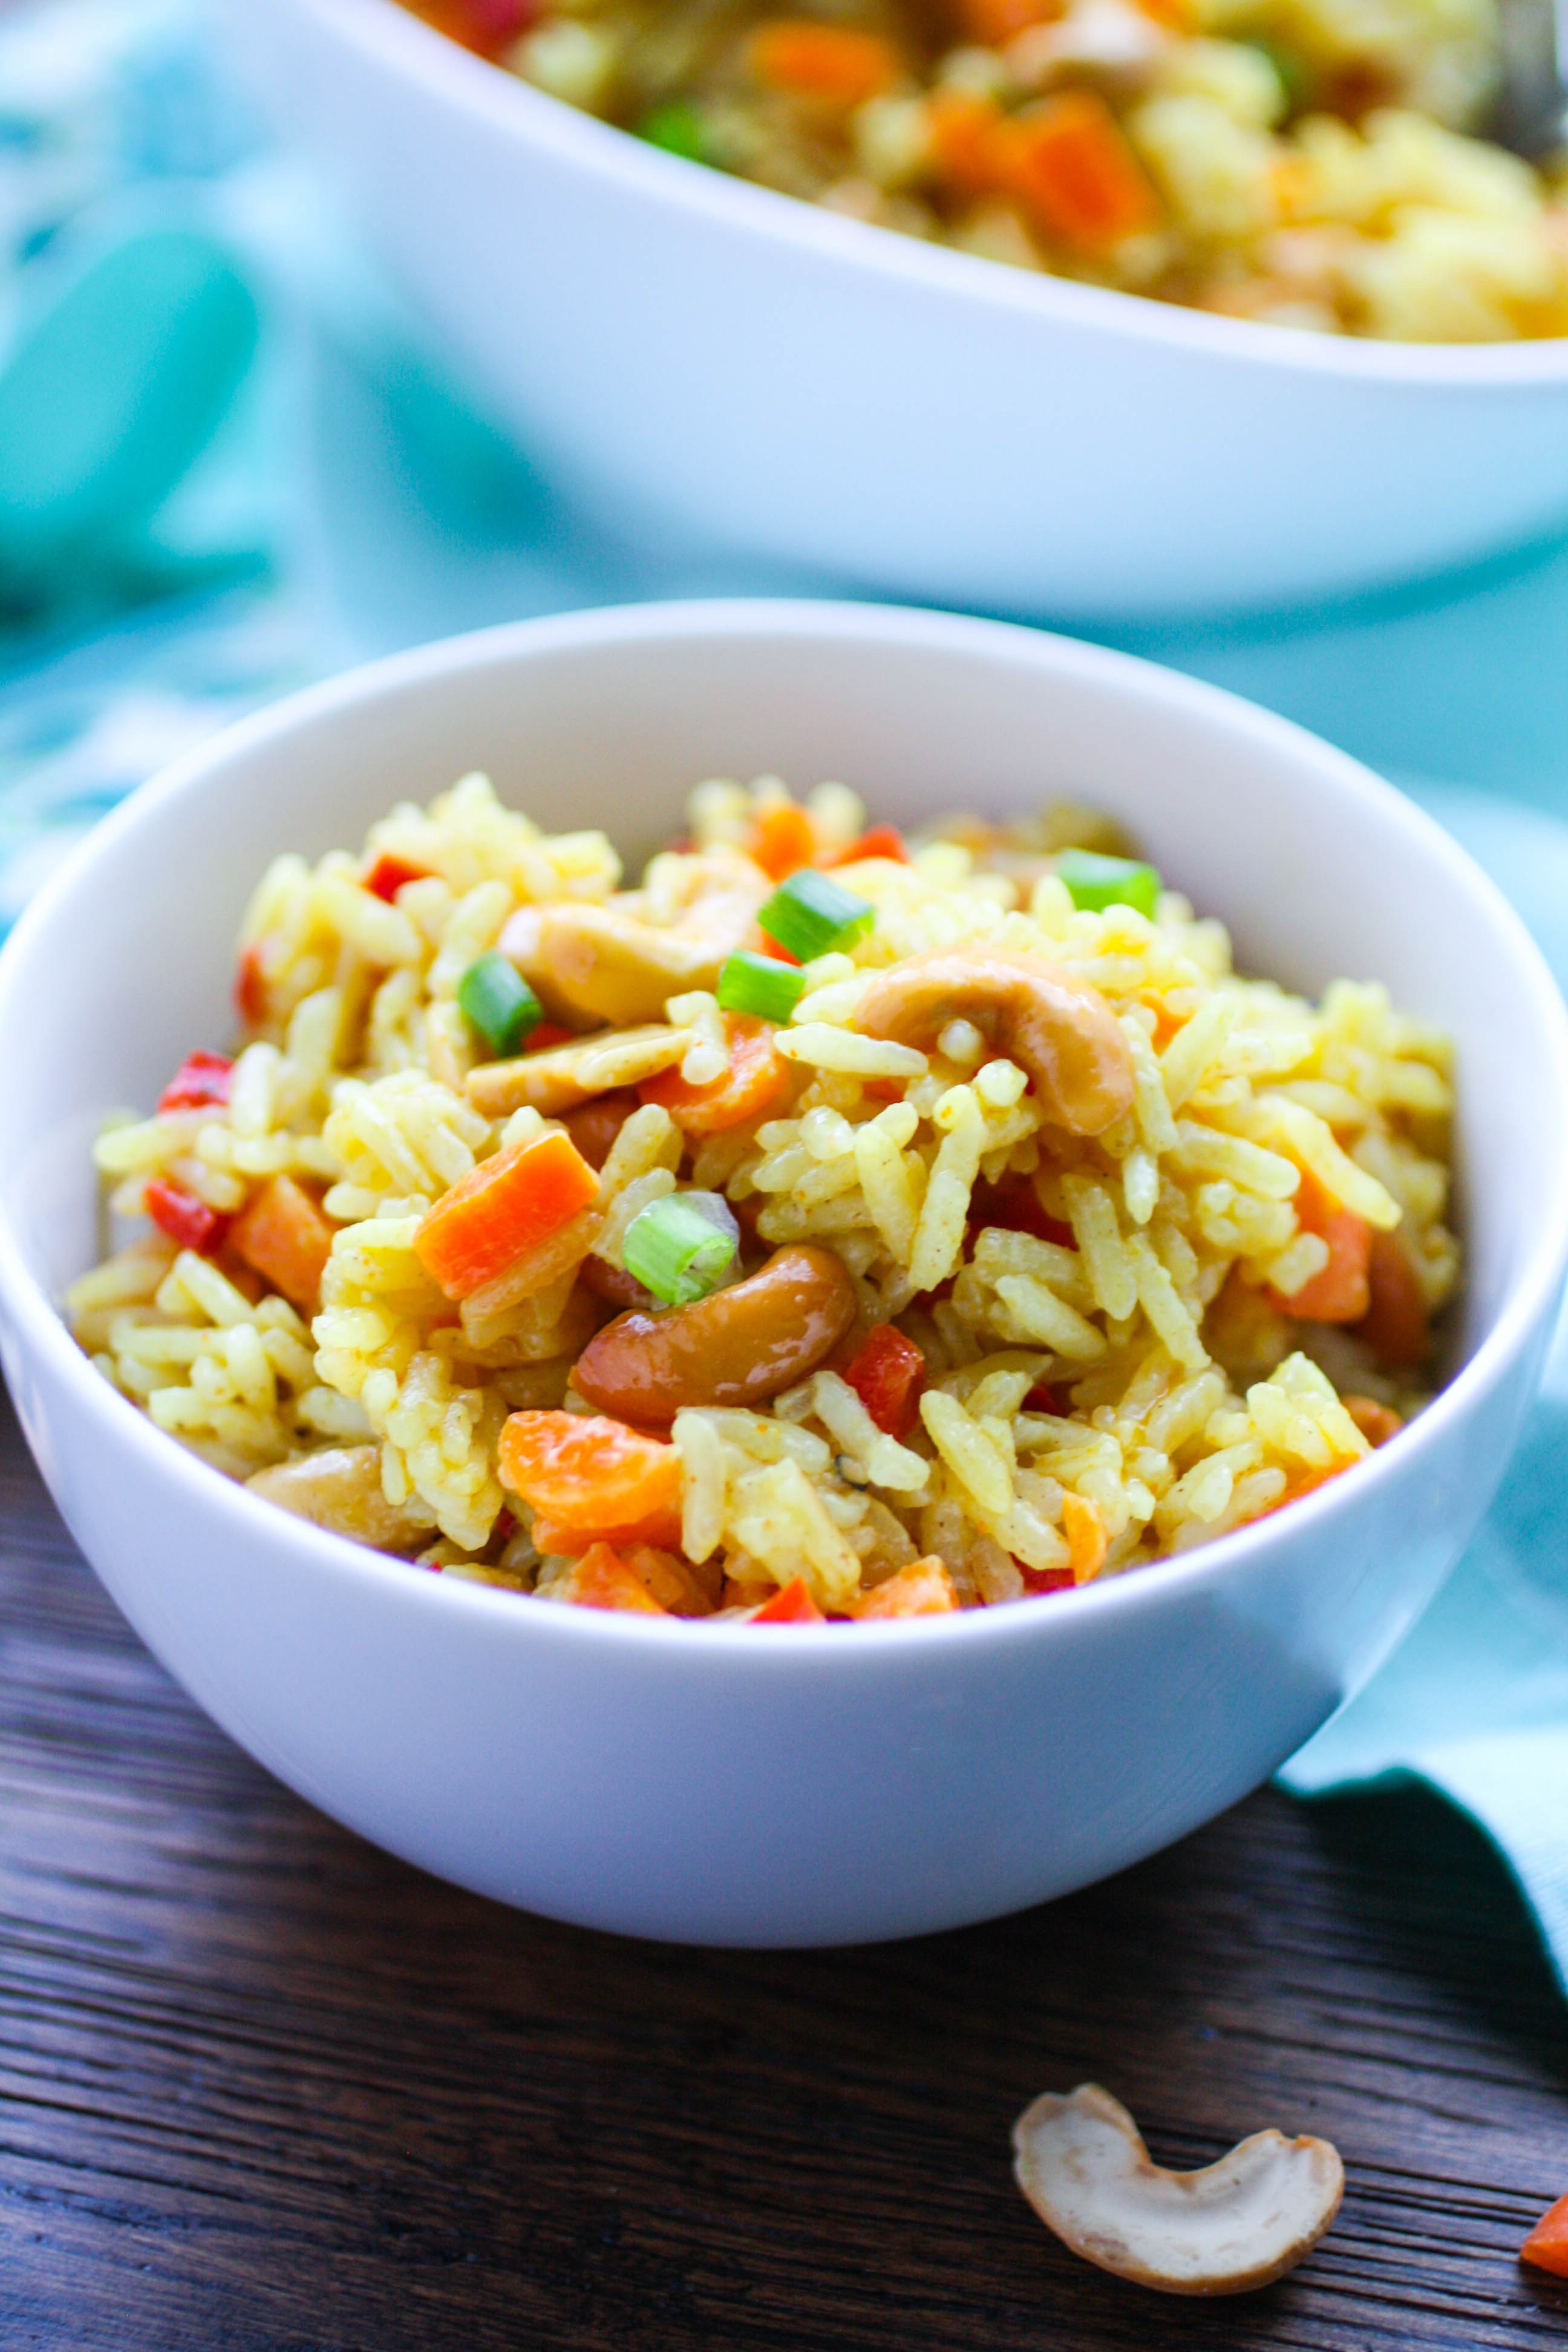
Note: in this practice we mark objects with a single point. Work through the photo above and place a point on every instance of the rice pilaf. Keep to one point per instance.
(1003, 1240)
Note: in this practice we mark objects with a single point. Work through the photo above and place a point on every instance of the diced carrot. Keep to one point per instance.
(675, 1584)
(1177, 15)
(593, 1126)
(1376, 1423)
(1547, 2244)
(888, 1375)
(1395, 1325)
(783, 840)
(757, 1077)
(1339, 1293)
(201, 1078)
(1305, 1481)
(791, 1606)
(878, 841)
(924, 1589)
(489, 28)
(825, 61)
(602, 1580)
(992, 23)
(546, 1033)
(183, 1217)
(585, 1475)
(1088, 1542)
(283, 1234)
(388, 875)
(250, 988)
(503, 1207)
(1069, 165)
(963, 129)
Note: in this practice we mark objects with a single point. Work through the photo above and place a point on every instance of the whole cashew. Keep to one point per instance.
(1057, 1029)
(610, 963)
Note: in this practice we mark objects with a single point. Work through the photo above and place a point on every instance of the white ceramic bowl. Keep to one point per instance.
(711, 1782)
(689, 353)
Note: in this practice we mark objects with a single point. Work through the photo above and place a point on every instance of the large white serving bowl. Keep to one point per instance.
(692, 355)
(717, 1782)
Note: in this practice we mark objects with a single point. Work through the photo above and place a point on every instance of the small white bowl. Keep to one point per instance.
(714, 1782)
(698, 358)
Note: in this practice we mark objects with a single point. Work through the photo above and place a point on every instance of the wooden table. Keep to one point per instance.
(263, 2088)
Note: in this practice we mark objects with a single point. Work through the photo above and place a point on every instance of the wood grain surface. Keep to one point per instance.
(264, 2090)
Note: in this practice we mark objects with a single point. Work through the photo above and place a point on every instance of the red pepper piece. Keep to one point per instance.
(876, 841)
(888, 1376)
(792, 1605)
(1014, 1206)
(1045, 1580)
(388, 875)
(186, 1220)
(1042, 1399)
(201, 1078)
(547, 1033)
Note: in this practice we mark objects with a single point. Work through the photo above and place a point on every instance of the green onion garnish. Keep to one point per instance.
(681, 1247)
(1094, 883)
(497, 1002)
(811, 915)
(677, 128)
(761, 984)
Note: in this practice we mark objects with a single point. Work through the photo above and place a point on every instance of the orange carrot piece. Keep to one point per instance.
(924, 1589)
(1376, 1423)
(1305, 1481)
(602, 1580)
(791, 1606)
(1177, 15)
(966, 131)
(876, 841)
(505, 1206)
(1088, 1542)
(757, 1077)
(783, 840)
(250, 988)
(992, 23)
(283, 1234)
(1547, 2244)
(1340, 1294)
(1395, 1325)
(825, 61)
(587, 1477)
(1070, 167)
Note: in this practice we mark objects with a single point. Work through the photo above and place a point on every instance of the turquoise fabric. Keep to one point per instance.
(268, 474)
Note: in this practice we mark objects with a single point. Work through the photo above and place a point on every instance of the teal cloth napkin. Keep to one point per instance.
(288, 481)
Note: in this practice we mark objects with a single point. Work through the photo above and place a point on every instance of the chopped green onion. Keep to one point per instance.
(496, 1001)
(677, 128)
(761, 984)
(681, 1247)
(811, 915)
(1095, 883)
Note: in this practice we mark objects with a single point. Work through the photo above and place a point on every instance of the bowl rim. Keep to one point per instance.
(40, 1329)
(394, 37)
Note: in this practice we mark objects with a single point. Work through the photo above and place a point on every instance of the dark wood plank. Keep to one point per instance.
(263, 2088)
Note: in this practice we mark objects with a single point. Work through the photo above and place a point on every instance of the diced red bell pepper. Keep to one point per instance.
(201, 1078)
(1014, 1206)
(888, 1376)
(388, 875)
(546, 1032)
(1042, 1399)
(791, 1606)
(186, 1220)
(1045, 1580)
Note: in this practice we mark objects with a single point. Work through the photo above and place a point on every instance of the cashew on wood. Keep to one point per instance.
(1056, 1028)
(1247, 2218)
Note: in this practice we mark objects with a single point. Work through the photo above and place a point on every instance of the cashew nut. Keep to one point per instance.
(736, 1347)
(1059, 1029)
(559, 1078)
(611, 963)
(341, 1490)
(1239, 2223)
